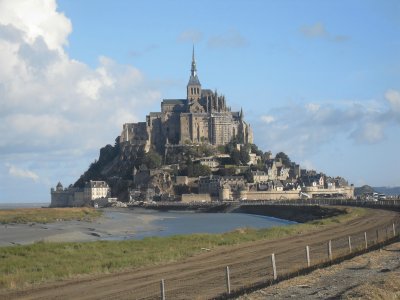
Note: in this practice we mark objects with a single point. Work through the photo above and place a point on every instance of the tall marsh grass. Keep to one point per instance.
(47, 215)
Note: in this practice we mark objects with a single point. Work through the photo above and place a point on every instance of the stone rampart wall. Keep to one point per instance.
(186, 198)
(272, 195)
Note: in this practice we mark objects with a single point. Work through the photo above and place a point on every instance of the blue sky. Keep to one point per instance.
(319, 80)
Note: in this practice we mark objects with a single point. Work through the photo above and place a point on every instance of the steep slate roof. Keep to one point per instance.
(174, 101)
(96, 184)
(205, 92)
(194, 80)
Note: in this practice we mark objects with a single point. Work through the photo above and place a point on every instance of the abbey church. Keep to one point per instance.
(203, 117)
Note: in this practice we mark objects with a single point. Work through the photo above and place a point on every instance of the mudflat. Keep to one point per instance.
(114, 223)
(202, 276)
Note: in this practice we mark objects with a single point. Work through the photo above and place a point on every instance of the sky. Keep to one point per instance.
(318, 80)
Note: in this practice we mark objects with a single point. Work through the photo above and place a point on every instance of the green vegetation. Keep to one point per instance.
(152, 160)
(285, 159)
(94, 172)
(41, 262)
(47, 215)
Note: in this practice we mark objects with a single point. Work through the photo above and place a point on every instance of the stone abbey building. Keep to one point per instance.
(203, 117)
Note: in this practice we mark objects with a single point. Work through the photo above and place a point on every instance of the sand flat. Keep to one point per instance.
(115, 224)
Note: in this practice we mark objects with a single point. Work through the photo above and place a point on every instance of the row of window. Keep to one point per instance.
(195, 90)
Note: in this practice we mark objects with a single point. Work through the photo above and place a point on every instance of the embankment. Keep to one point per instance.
(295, 213)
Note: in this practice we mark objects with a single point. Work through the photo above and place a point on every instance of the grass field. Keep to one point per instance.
(40, 262)
(47, 215)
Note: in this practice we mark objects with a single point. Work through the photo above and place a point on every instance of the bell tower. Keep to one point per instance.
(193, 86)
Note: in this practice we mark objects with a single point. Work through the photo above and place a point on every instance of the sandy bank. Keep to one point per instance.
(114, 224)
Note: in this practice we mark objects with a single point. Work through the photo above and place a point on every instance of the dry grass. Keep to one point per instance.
(47, 215)
(41, 262)
(388, 288)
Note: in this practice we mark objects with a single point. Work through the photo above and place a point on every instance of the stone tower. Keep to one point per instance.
(193, 86)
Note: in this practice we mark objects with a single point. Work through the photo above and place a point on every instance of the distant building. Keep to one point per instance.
(96, 189)
(202, 117)
(259, 176)
(210, 162)
(72, 196)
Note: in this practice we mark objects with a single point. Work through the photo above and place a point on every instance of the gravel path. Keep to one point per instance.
(375, 275)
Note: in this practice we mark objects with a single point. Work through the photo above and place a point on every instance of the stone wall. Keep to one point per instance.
(187, 198)
(272, 195)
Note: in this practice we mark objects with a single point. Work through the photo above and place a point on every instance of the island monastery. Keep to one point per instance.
(202, 117)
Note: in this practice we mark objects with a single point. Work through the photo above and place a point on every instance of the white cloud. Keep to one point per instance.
(56, 112)
(49, 101)
(370, 133)
(144, 50)
(312, 107)
(302, 129)
(307, 164)
(393, 97)
(191, 35)
(267, 119)
(229, 39)
(37, 19)
(318, 30)
(315, 30)
(21, 173)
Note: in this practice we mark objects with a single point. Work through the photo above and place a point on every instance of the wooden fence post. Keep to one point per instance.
(228, 281)
(365, 239)
(349, 244)
(162, 288)
(274, 266)
(308, 256)
(330, 250)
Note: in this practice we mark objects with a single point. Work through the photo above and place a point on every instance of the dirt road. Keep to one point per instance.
(203, 276)
(374, 275)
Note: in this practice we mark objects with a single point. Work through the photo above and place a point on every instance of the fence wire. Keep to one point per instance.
(255, 270)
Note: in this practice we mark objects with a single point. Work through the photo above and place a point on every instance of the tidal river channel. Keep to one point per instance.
(123, 224)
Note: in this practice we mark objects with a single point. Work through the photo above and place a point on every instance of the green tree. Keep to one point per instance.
(235, 156)
(285, 159)
(254, 149)
(200, 170)
(152, 160)
(244, 155)
(230, 171)
(248, 175)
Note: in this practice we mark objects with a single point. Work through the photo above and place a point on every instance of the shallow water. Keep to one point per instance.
(184, 222)
(124, 224)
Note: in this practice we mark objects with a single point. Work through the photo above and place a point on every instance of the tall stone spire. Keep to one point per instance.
(194, 86)
(194, 69)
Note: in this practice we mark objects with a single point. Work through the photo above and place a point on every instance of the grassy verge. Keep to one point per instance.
(46, 215)
(24, 265)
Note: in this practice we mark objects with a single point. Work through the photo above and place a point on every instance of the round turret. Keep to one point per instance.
(224, 193)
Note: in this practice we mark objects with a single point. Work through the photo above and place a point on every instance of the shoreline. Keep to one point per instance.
(126, 223)
(103, 228)
(172, 257)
